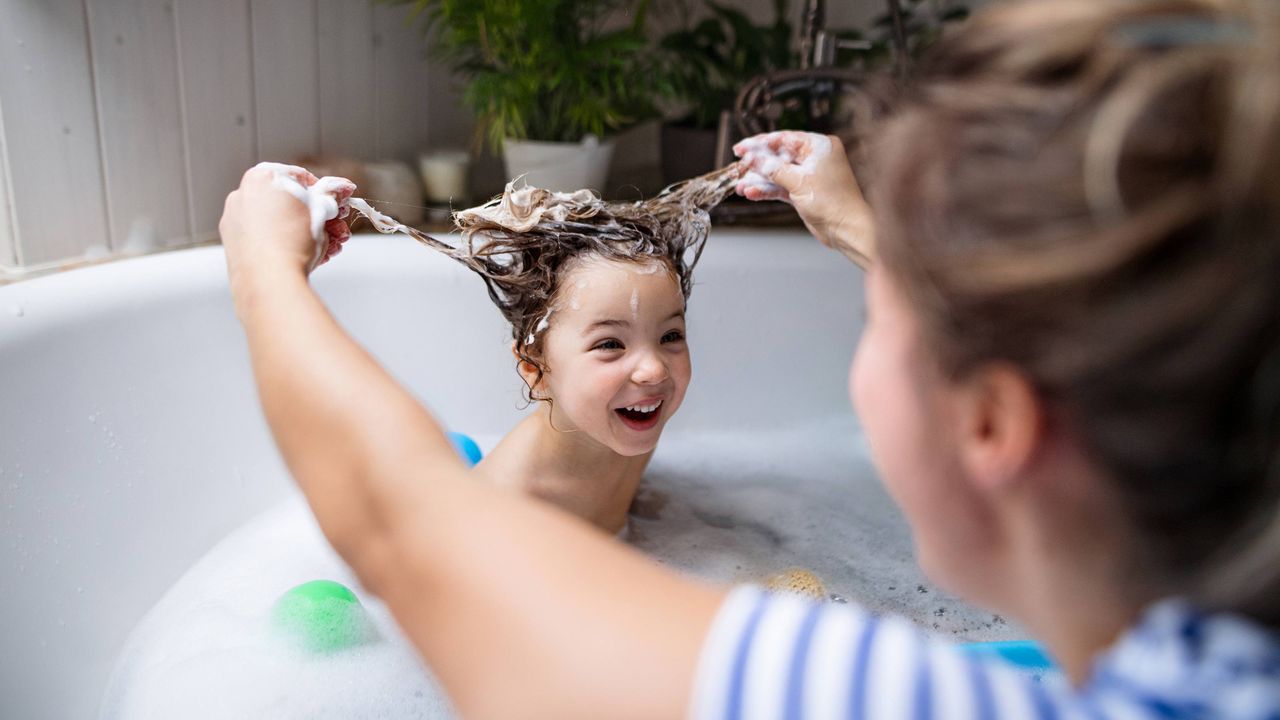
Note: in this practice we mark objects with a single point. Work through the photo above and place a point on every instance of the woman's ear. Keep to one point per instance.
(1001, 422)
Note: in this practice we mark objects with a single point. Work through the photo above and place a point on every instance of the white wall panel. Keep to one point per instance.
(402, 90)
(286, 76)
(449, 122)
(215, 63)
(346, 78)
(8, 233)
(59, 208)
(140, 115)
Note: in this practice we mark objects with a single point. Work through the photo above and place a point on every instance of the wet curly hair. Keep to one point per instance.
(522, 243)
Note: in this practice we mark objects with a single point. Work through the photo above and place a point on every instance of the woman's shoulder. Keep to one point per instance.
(806, 659)
(1215, 664)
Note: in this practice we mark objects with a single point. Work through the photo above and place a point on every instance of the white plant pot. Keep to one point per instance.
(559, 166)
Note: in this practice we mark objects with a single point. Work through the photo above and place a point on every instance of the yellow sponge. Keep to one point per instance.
(797, 581)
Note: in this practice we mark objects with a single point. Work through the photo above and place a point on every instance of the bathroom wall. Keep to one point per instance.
(123, 123)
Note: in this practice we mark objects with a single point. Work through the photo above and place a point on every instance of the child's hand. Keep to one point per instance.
(812, 173)
(280, 219)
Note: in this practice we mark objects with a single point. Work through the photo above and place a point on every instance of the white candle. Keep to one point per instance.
(445, 174)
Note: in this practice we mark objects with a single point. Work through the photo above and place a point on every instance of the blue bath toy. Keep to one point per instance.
(466, 447)
(1025, 655)
(322, 616)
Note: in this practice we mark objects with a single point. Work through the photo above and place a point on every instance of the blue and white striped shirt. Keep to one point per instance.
(773, 656)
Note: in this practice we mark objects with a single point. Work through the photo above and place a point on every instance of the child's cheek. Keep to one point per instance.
(604, 381)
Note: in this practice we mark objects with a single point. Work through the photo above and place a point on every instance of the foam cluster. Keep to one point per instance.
(326, 200)
(213, 647)
(766, 154)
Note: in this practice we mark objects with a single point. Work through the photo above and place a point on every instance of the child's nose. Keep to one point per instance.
(650, 370)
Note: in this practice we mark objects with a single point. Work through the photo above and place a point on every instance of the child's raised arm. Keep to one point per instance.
(520, 610)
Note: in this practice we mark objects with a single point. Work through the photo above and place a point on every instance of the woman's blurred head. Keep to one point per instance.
(1078, 218)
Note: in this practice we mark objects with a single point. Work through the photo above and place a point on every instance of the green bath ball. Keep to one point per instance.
(322, 616)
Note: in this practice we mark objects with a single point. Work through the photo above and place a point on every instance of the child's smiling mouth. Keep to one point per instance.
(642, 415)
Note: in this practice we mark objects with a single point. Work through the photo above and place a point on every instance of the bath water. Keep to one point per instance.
(209, 648)
(731, 507)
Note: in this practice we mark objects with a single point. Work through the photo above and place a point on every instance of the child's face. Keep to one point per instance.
(615, 352)
(907, 411)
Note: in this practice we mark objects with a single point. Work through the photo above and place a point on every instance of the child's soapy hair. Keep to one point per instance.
(1090, 190)
(523, 243)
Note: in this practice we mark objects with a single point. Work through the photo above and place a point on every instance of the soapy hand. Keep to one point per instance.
(283, 216)
(812, 173)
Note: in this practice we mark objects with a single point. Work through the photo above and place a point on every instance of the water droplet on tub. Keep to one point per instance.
(18, 310)
(93, 418)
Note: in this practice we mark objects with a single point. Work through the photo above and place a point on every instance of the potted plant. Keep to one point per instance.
(706, 63)
(548, 80)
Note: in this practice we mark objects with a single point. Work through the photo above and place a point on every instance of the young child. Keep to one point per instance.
(595, 293)
(1070, 380)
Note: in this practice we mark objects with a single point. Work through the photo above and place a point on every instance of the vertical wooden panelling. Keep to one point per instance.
(448, 120)
(50, 129)
(401, 85)
(126, 122)
(136, 74)
(215, 65)
(346, 78)
(8, 233)
(286, 77)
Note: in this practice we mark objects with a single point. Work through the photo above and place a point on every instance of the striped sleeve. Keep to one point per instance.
(783, 658)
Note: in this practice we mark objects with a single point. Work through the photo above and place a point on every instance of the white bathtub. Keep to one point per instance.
(131, 438)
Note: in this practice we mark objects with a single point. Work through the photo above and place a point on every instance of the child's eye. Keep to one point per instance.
(673, 336)
(609, 344)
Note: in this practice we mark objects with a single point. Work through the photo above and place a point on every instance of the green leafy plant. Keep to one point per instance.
(707, 63)
(554, 70)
